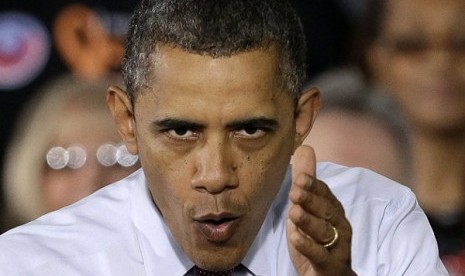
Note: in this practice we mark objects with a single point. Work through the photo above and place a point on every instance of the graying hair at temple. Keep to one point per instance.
(218, 29)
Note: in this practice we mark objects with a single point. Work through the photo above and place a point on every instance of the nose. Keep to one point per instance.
(215, 170)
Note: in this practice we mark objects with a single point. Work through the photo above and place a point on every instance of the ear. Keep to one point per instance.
(121, 108)
(308, 107)
(82, 41)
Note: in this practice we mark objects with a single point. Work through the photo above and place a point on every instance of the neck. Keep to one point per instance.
(439, 171)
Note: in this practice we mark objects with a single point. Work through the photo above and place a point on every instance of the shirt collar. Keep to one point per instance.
(161, 254)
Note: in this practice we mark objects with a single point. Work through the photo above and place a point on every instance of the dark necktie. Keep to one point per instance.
(200, 272)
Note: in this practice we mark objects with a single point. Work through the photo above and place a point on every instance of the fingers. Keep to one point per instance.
(311, 202)
(305, 245)
(311, 226)
(319, 234)
(314, 209)
(315, 197)
(314, 215)
(305, 184)
(311, 218)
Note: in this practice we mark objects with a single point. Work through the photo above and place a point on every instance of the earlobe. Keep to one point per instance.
(307, 110)
(121, 108)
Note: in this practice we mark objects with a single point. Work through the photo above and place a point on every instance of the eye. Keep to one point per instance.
(251, 133)
(410, 46)
(181, 133)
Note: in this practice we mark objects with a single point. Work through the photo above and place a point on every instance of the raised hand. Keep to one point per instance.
(318, 233)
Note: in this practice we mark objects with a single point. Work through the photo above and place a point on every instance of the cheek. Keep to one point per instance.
(401, 75)
(167, 176)
(261, 174)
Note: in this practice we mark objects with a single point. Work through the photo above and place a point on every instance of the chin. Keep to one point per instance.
(219, 258)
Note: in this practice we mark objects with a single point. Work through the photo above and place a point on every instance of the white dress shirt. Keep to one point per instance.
(118, 231)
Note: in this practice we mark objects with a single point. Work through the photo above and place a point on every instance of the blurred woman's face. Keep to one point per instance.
(420, 56)
(89, 130)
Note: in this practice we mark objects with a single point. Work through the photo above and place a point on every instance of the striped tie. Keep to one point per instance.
(200, 272)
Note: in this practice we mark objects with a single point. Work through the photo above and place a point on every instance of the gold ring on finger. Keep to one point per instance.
(334, 240)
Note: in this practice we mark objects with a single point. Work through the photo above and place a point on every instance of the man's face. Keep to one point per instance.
(214, 136)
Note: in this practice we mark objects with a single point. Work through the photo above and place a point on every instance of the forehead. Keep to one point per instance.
(425, 14)
(180, 79)
(168, 62)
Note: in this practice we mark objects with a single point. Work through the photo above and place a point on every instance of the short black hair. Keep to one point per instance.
(216, 28)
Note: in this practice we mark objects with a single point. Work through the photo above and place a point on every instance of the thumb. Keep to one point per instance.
(303, 161)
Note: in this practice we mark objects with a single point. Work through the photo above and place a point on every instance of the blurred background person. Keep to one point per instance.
(357, 127)
(90, 39)
(415, 49)
(42, 39)
(64, 147)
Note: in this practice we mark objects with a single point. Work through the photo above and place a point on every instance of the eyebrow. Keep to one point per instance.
(171, 123)
(257, 122)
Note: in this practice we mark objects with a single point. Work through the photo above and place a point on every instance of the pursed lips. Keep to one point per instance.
(217, 228)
